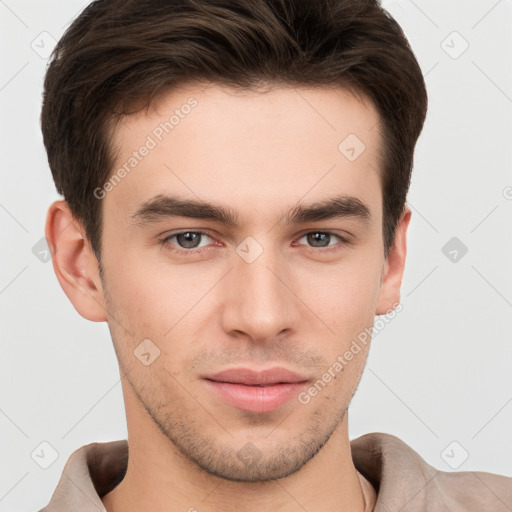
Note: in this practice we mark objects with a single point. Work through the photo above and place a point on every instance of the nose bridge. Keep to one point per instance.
(261, 304)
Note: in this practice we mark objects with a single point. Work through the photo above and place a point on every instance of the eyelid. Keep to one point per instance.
(343, 240)
(165, 241)
(333, 232)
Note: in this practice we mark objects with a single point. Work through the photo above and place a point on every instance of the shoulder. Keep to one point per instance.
(474, 490)
(404, 480)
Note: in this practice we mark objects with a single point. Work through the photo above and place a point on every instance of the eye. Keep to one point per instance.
(194, 242)
(322, 239)
(186, 241)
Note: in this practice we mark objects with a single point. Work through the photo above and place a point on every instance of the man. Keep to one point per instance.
(234, 178)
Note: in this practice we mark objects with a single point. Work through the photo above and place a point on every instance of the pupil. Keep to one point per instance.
(188, 239)
(318, 237)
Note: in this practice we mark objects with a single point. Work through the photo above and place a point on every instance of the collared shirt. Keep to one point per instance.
(401, 480)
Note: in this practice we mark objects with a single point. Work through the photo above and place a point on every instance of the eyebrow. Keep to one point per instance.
(161, 207)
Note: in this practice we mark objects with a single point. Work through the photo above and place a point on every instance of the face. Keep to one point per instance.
(243, 255)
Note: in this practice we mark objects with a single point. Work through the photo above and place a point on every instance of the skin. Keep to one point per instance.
(294, 306)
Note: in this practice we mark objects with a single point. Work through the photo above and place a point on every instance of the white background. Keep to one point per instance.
(439, 372)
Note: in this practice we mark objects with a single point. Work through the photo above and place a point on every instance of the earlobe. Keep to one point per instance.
(74, 262)
(389, 294)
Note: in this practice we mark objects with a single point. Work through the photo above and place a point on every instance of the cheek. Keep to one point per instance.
(345, 296)
(163, 303)
(150, 294)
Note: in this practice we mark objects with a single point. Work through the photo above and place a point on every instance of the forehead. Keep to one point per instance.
(246, 148)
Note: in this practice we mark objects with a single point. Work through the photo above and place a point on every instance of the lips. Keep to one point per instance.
(254, 378)
(256, 391)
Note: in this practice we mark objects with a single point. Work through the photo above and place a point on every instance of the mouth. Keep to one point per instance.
(256, 391)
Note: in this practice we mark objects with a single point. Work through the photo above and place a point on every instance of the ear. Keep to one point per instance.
(74, 262)
(391, 281)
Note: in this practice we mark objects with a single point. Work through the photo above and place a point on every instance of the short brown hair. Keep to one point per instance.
(119, 53)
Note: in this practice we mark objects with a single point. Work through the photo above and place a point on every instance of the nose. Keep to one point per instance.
(261, 304)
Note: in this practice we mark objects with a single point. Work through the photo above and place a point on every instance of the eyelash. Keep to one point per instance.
(167, 245)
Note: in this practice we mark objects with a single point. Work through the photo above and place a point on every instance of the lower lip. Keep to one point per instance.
(258, 399)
